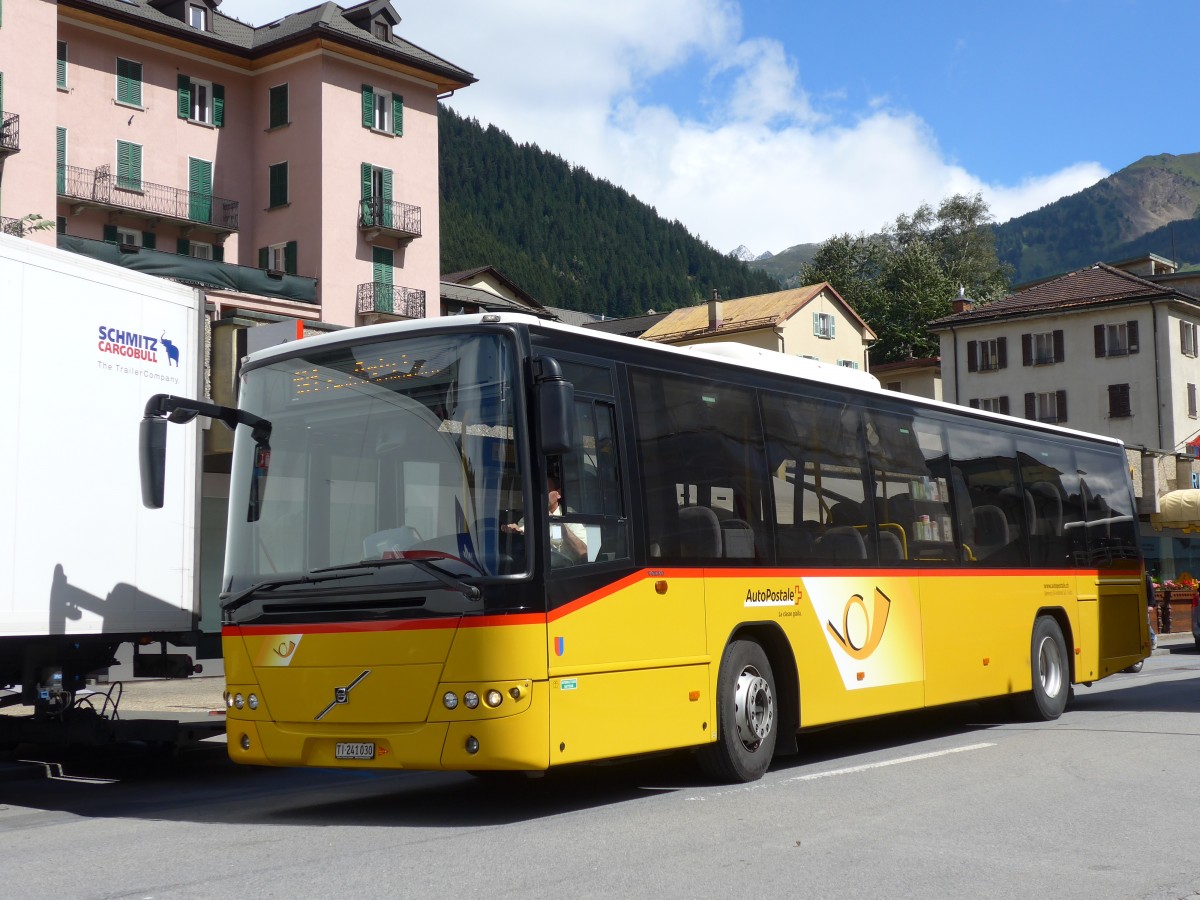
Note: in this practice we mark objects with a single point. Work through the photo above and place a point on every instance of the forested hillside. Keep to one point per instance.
(566, 237)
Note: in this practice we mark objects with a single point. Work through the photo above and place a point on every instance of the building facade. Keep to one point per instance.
(812, 322)
(305, 148)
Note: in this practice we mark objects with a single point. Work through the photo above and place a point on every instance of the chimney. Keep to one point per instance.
(714, 311)
(961, 303)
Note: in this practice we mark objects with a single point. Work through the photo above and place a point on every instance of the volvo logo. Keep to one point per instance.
(341, 694)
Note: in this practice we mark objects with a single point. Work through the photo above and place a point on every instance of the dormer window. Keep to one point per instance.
(382, 31)
(197, 16)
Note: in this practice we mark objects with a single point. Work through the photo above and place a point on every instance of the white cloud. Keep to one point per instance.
(743, 158)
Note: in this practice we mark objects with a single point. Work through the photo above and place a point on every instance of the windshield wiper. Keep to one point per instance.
(244, 596)
(470, 591)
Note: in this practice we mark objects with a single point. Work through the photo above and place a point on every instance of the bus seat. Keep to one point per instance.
(840, 543)
(889, 546)
(699, 533)
(1049, 507)
(846, 512)
(737, 539)
(1018, 506)
(991, 529)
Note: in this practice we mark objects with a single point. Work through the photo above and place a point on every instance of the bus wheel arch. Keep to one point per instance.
(1051, 665)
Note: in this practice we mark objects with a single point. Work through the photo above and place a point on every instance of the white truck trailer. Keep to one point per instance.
(84, 568)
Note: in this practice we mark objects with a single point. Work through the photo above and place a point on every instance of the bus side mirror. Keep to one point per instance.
(152, 459)
(555, 404)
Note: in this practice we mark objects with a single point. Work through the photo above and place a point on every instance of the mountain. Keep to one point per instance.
(1131, 212)
(1151, 206)
(567, 238)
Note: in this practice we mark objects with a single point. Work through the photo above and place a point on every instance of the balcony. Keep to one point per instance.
(399, 220)
(15, 227)
(96, 188)
(10, 133)
(379, 297)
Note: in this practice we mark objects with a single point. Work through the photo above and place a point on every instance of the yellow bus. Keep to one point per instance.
(497, 543)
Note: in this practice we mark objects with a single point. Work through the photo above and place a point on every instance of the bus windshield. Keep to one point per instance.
(399, 449)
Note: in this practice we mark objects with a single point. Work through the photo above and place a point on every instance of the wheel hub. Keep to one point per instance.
(754, 708)
(1050, 667)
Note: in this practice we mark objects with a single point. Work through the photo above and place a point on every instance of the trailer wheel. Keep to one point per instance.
(1050, 671)
(746, 716)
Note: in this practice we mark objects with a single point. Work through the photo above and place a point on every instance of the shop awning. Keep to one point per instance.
(1178, 509)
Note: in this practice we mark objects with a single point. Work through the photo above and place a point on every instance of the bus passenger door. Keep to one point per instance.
(626, 639)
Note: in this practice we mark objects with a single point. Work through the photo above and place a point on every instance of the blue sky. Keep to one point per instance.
(769, 123)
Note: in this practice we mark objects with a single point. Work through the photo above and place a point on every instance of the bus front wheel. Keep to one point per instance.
(747, 723)
(1050, 670)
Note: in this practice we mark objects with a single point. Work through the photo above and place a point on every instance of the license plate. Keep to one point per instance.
(354, 750)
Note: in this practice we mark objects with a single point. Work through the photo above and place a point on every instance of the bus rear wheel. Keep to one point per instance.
(1051, 673)
(747, 724)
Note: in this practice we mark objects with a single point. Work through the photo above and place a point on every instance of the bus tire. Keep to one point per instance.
(1051, 673)
(747, 723)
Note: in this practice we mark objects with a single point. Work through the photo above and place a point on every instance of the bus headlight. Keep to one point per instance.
(252, 701)
(450, 700)
(471, 699)
(493, 698)
(238, 701)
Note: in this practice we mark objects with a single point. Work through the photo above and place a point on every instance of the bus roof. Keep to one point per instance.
(742, 356)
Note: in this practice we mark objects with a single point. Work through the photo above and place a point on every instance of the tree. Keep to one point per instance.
(905, 277)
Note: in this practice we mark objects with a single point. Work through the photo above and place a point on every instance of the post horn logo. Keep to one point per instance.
(862, 629)
(284, 650)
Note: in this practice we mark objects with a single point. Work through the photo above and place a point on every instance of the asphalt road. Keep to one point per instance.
(950, 803)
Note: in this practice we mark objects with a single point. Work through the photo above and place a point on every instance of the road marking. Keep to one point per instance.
(54, 772)
(887, 762)
(850, 770)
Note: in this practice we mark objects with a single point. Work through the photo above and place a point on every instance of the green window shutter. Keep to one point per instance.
(387, 185)
(289, 257)
(365, 171)
(62, 64)
(183, 86)
(368, 106)
(218, 99)
(278, 105)
(110, 234)
(397, 115)
(129, 82)
(387, 217)
(278, 185)
(218, 252)
(61, 155)
(183, 246)
(382, 261)
(200, 203)
(149, 240)
(264, 257)
(129, 166)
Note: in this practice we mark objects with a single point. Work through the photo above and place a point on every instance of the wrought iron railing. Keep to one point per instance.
(99, 186)
(10, 132)
(402, 218)
(15, 227)
(381, 297)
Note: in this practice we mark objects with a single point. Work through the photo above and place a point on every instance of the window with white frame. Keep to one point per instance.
(989, 355)
(992, 404)
(201, 106)
(824, 325)
(1046, 406)
(129, 237)
(383, 111)
(1187, 338)
(382, 31)
(198, 16)
(848, 363)
(199, 250)
(277, 257)
(1120, 339)
(1043, 349)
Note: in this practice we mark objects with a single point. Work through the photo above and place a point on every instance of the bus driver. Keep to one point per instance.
(569, 539)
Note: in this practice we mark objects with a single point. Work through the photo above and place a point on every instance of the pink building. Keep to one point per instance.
(292, 168)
